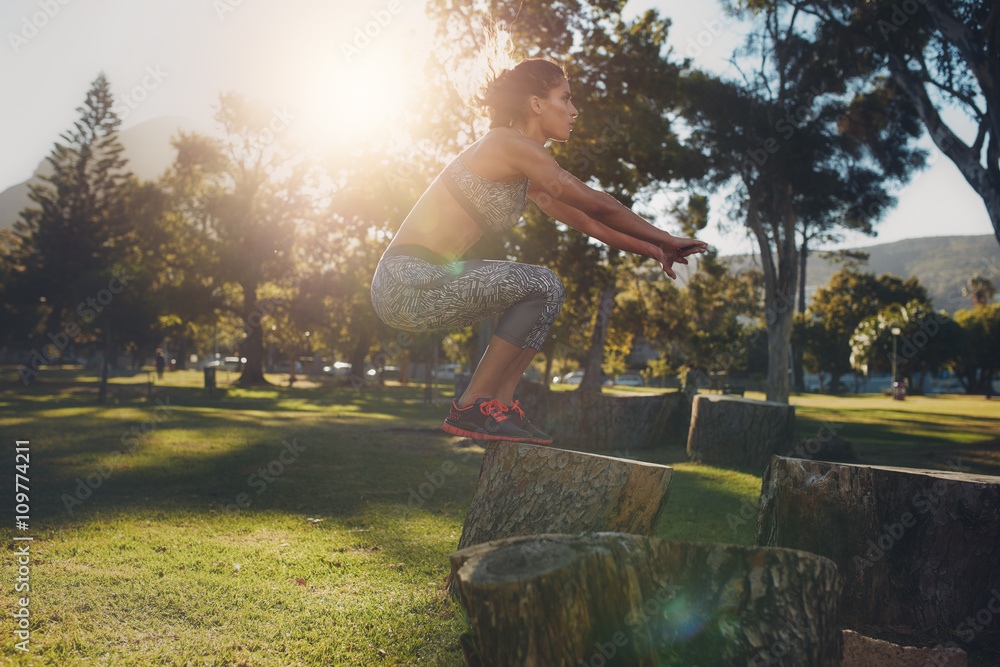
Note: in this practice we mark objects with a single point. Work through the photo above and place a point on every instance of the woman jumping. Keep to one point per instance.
(422, 285)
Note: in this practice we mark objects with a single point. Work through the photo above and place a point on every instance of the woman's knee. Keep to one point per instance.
(554, 288)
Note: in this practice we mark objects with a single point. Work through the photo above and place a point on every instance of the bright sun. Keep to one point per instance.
(350, 104)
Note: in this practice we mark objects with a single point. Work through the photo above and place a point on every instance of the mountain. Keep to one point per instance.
(147, 147)
(942, 264)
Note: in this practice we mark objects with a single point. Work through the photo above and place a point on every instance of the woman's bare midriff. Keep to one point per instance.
(439, 224)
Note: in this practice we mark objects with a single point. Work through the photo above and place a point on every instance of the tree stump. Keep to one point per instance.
(612, 599)
(918, 550)
(526, 489)
(861, 651)
(603, 423)
(738, 432)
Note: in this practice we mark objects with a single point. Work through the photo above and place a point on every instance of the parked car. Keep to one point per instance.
(224, 363)
(447, 371)
(337, 369)
(630, 380)
(576, 377)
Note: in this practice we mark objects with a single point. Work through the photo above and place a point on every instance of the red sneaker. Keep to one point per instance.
(483, 420)
(538, 436)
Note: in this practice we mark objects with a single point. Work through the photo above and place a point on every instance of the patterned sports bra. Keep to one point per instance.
(495, 206)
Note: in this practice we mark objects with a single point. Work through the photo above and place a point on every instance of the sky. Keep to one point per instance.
(335, 72)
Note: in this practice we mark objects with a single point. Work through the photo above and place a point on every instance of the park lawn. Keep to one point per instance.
(298, 525)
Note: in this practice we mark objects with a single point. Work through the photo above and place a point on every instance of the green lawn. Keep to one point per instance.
(284, 526)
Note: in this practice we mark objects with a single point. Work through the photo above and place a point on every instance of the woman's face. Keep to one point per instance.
(557, 112)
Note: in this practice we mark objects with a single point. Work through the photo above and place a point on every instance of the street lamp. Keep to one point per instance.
(895, 333)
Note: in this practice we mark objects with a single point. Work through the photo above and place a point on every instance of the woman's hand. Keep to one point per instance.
(674, 251)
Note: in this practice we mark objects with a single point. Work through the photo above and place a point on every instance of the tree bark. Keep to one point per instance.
(984, 180)
(253, 345)
(592, 379)
(605, 423)
(917, 549)
(798, 354)
(528, 489)
(779, 284)
(612, 599)
(861, 651)
(109, 352)
(737, 432)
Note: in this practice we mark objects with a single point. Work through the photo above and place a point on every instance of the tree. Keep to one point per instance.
(926, 341)
(797, 142)
(254, 194)
(180, 246)
(978, 356)
(837, 310)
(70, 242)
(980, 290)
(936, 54)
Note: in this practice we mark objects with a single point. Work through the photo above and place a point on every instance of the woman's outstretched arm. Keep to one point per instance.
(670, 250)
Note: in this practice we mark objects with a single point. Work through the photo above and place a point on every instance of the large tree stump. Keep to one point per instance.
(612, 599)
(861, 651)
(603, 423)
(528, 489)
(739, 432)
(917, 549)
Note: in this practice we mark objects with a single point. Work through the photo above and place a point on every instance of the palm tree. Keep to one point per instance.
(980, 289)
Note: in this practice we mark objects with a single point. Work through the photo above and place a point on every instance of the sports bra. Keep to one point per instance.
(495, 206)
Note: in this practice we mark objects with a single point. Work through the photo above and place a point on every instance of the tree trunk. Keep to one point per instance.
(985, 180)
(861, 651)
(253, 345)
(547, 373)
(592, 379)
(917, 549)
(404, 366)
(109, 351)
(737, 432)
(182, 354)
(528, 489)
(779, 285)
(606, 423)
(798, 352)
(612, 599)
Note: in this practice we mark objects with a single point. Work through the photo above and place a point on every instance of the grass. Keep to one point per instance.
(286, 526)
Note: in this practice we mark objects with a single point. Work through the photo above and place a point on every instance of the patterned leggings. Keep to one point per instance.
(418, 291)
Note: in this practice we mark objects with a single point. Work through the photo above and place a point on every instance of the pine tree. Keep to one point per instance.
(71, 240)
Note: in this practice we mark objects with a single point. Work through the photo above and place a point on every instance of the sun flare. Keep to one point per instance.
(351, 104)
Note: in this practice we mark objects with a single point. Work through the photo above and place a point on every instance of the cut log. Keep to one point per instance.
(526, 489)
(603, 423)
(917, 549)
(861, 651)
(738, 432)
(612, 599)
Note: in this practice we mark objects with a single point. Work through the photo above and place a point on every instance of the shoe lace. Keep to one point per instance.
(516, 407)
(493, 408)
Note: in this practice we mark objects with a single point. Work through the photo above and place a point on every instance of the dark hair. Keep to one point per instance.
(505, 98)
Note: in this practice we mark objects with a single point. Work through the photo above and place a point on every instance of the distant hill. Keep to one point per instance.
(942, 264)
(147, 147)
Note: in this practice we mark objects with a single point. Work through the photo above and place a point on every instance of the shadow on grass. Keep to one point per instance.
(916, 443)
(185, 453)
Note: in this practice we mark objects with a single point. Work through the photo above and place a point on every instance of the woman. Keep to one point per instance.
(422, 285)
